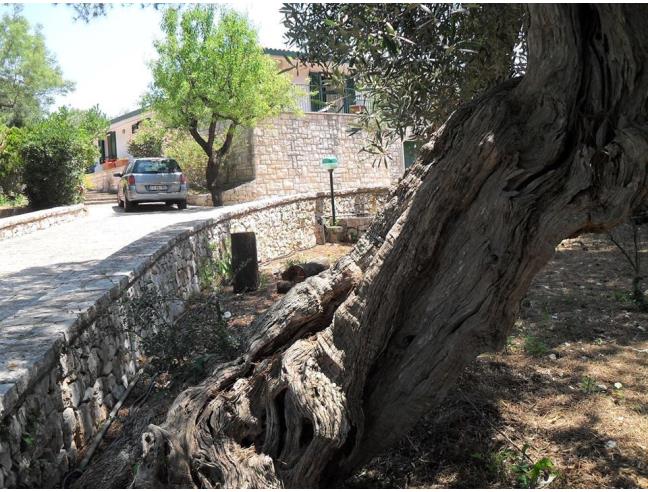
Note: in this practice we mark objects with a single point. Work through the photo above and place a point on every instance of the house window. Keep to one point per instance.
(135, 127)
(326, 97)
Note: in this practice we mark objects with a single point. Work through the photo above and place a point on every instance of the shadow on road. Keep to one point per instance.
(157, 208)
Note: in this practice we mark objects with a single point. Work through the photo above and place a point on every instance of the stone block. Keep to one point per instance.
(69, 426)
(87, 428)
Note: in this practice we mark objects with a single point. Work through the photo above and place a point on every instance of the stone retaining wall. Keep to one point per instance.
(32, 221)
(62, 372)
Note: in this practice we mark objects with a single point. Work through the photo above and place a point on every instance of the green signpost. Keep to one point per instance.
(329, 163)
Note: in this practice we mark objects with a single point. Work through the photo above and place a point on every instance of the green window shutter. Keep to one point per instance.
(112, 145)
(102, 151)
(318, 95)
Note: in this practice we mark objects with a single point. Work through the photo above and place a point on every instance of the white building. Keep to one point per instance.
(115, 146)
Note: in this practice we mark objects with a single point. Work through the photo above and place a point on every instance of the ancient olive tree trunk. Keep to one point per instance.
(350, 359)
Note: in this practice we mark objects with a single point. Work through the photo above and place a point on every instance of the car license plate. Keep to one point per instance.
(157, 187)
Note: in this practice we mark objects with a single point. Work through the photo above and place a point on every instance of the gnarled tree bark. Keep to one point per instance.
(350, 359)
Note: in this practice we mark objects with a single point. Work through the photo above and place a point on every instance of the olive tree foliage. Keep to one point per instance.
(416, 62)
(212, 77)
(29, 75)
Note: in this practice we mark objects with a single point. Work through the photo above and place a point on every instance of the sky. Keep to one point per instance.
(107, 58)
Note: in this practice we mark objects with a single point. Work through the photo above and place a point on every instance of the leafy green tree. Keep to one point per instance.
(416, 62)
(212, 77)
(147, 141)
(93, 121)
(56, 152)
(29, 74)
(10, 161)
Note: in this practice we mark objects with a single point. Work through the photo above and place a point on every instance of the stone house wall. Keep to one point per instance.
(77, 361)
(287, 150)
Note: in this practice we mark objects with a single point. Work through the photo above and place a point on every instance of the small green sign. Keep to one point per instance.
(329, 162)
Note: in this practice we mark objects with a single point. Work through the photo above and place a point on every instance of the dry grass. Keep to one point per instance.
(585, 335)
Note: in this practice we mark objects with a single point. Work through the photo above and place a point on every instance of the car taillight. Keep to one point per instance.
(131, 180)
(183, 179)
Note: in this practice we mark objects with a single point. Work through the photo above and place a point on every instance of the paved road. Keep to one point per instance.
(33, 264)
(48, 277)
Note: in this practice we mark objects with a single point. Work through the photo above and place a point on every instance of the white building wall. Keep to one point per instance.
(123, 133)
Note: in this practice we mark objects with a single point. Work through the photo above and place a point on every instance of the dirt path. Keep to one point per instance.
(551, 392)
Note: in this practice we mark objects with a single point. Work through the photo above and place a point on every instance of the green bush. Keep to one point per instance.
(198, 338)
(147, 141)
(181, 146)
(11, 165)
(56, 153)
(534, 346)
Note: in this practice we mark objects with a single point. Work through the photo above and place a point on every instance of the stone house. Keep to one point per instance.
(282, 155)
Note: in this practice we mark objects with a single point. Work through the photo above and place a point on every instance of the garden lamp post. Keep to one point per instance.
(329, 163)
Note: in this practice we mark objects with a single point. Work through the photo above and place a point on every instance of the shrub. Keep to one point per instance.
(13, 201)
(216, 270)
(535, 347)
(198, 338)
(11, 165)
(179, 145)
(56, 153)
(147, 141)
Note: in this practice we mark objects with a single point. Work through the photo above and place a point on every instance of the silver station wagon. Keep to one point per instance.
(152, 179)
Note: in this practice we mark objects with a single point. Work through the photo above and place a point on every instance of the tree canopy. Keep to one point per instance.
(29, 74)
(212, 76)
(417, 62)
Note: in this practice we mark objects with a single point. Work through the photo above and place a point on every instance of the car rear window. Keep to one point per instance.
(156, 167)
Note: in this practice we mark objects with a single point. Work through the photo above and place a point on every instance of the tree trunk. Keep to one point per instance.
(216, 161)
(349, 360)
(211, 175)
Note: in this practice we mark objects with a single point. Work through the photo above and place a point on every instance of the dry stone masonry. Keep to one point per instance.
(63, 368)
(25, 223)
(286, 152)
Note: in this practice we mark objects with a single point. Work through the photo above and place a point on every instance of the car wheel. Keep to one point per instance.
(120, 202)
(182, 204)
(128, 205)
